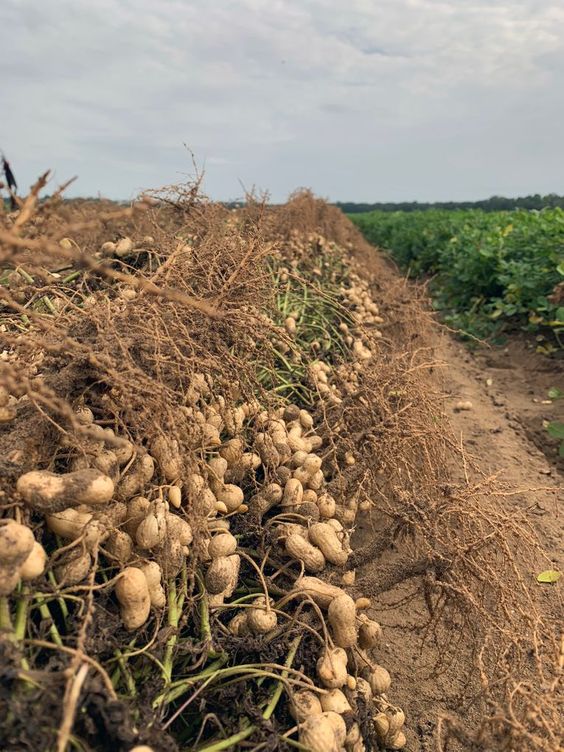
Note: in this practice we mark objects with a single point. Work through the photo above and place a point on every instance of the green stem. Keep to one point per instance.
(5, 617)
(177, 688)
(49, 304)
(271, 707)
(114, 676)
(184, 587)
(130, 683)
(28, 278)
(173, 619)
(22, 607)
(71, 277)
(61, 601)
(269, 710)
(205, 628)
(46, 614)
(244, 598)
(295, 744)
(230, 741)
(156, 661)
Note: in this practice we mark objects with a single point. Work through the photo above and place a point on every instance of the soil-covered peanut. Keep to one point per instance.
(232, 451)
(327, 506)
(178, 528)
(238, 625)
(381, 724)
(323, 733)
(293, 493)
(167, 454)
(302, 550)
(34, 565)
(69, 523)
(73, 568)
(260, 619)
(49, 492)
(137, 509)
(336, 701)
(266, 450)
(369, 633)
(16, 544)
(119, 545)
(222, 573)
(153, 575)
(137, 476)
(151, 531)
(324, 536)
(396, 718)
(222, 544)
(398, 741)
(107, 463)
(321, 592)
(174, 496)
(332, 668)
(132, 592)
(304, 704)
(342, 618)
(230, 495)
(379, 679)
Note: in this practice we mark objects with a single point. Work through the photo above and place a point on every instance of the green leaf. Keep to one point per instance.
(560, 268)
(549, 575)
(554, 393)
(556, 429)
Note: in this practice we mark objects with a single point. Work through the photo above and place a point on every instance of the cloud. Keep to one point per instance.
(365, 100)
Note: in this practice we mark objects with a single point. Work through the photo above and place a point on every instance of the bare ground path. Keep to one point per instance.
(498, 429)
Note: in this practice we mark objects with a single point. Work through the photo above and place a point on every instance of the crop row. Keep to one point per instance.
(489, 271)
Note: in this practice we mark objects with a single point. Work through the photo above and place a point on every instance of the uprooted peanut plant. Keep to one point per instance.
(199, 406)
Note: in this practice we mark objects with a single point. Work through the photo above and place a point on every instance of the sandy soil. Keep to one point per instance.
(504, 430)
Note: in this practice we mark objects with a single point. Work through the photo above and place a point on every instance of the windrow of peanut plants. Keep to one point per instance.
(490, 272)
(177, 543)
(199, 409)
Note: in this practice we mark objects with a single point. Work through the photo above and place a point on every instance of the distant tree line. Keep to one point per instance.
(495, 203)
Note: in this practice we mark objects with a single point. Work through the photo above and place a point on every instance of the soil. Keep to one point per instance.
(517, 380)
(503, 434)
(503, 431)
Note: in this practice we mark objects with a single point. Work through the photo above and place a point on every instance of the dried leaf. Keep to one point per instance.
(549, 575)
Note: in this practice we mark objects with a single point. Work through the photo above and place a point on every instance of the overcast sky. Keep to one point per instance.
(358, 99)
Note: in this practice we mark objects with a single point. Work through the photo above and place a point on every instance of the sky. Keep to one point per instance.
(363, 100)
